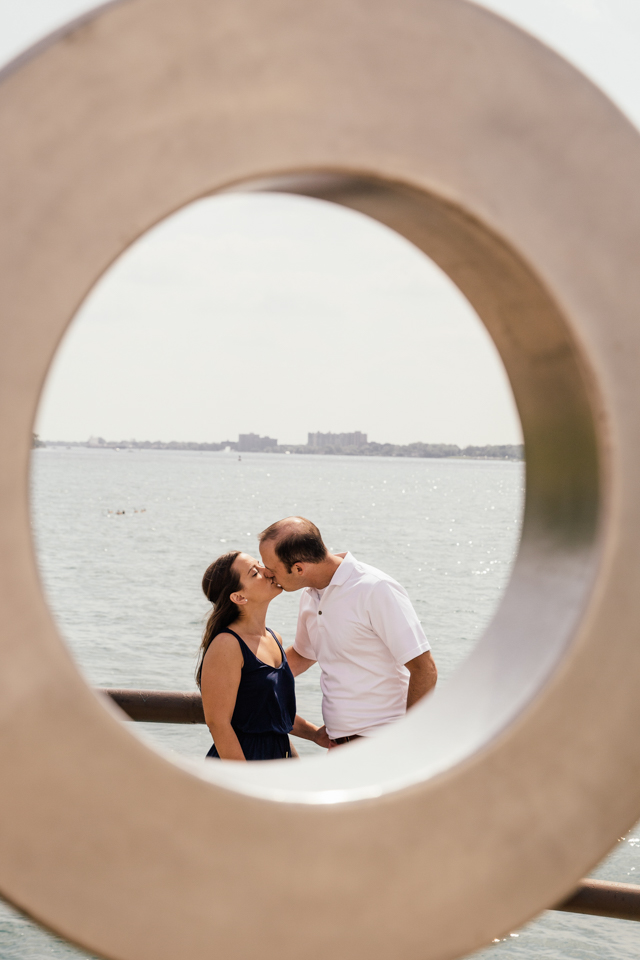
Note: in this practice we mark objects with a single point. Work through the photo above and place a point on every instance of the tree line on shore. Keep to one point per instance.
(506, 451)
(372, 449)
(494, 452)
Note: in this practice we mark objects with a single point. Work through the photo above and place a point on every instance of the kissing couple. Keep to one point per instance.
(356, 622)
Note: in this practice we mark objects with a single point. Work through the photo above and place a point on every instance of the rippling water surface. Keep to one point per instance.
(125, 589)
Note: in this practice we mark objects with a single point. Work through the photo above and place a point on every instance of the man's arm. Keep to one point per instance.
(423, 676)
(395, 621)
(297, 662)
(308, 731)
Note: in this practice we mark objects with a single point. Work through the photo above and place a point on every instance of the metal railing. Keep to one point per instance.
(158, 706)
(598, 898)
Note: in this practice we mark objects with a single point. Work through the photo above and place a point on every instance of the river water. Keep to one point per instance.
(125, 590)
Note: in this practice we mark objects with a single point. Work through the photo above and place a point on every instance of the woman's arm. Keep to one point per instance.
(308, 731)
(221, 671)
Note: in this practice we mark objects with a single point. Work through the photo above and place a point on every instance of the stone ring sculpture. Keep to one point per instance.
(518, 177)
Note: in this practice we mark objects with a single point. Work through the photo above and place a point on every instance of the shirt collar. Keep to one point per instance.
(344, 571)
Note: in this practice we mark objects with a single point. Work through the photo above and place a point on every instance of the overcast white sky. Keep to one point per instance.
(254, 298)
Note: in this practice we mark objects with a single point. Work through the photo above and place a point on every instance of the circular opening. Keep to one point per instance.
(534, 623)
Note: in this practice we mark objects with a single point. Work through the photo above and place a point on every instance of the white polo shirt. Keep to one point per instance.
(362, 630)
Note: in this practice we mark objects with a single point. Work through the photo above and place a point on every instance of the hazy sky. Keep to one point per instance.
(281, 315)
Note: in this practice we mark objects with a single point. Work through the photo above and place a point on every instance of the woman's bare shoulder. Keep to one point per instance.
(224, 645)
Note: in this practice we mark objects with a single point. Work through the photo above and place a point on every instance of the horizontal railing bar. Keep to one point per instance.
(602, 898)
(598, 898)
(158, 706)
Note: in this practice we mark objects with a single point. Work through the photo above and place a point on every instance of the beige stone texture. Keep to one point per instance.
(507, 167)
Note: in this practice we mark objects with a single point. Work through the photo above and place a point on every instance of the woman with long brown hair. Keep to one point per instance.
(248, 690)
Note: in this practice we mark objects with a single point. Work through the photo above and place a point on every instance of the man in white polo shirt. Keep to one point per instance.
(357, 623)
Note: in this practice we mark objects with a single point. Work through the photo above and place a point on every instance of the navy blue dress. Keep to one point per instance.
(265, 706)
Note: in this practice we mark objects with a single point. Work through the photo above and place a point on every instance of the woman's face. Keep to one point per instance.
(254, 583)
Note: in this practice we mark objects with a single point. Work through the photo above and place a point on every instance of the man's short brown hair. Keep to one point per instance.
(297, 540)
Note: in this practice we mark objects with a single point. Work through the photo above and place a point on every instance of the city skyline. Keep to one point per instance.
(344, 444)
(276, 311)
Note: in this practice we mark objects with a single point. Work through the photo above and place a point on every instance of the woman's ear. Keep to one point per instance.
(237, 598)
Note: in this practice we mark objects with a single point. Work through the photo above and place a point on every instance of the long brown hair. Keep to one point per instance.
(219, 582)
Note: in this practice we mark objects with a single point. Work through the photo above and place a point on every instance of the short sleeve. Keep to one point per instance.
(395, 621)
(302, 642)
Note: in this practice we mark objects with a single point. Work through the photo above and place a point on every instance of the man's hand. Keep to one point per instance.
(322, 738)
(423, 677)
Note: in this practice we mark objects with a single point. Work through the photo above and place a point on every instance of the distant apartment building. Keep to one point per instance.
(251, 442)
(337, 439)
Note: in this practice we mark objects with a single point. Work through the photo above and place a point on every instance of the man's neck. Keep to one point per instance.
(322, 573)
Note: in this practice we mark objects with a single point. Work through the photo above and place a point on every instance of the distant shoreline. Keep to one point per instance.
(412, 450)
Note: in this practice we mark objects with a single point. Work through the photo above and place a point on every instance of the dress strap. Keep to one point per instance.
(245, 646)
(278, 642)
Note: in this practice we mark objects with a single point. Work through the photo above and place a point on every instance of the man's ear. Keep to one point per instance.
(237, 598)
(298, 569)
